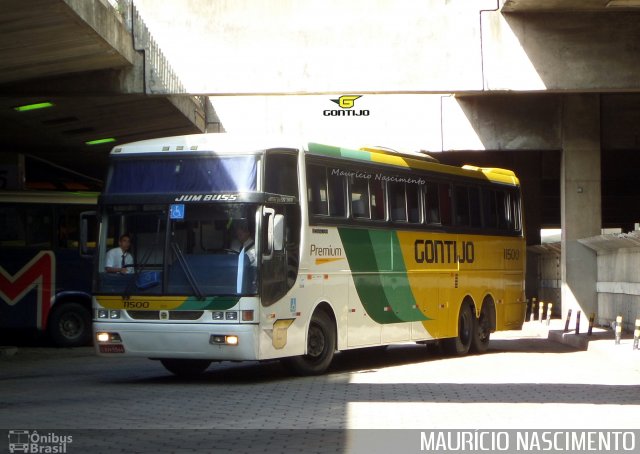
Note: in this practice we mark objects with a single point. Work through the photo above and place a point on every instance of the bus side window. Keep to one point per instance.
(433, 204)
(474, 207)
(376, 194)
(12, 231)
(317, 190)
(444, 192)
(413, 203)
(515, 211)
(359, 198)
(502, 203)
(489, 209)
(39, 226)
(397, 202)
(462, 206)
(281, 174)
(337, 196)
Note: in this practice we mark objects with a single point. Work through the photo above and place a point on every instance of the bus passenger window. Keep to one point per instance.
(502, 203)
(444, 192)
(462, 206)
(317, 190)
(397, 202)
(413, 203)
(377, 200)
(489, 209)
(433, 204)
(12, 231)
(474, 207)
(359, 198)
(281, 174)
(337, 196)
(515, 211)
(39, 221)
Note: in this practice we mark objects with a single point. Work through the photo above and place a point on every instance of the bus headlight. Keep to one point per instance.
(232, 315)
(102, 313)
(114, 314)
(218, 315)
(104, 338)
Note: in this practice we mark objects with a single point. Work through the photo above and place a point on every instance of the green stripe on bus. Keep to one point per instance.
(337, 152)
(219, 303)
(378, 252)
(398, 287)
(363, 264)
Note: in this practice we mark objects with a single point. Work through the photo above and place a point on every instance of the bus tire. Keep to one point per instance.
(481, 331)
(186, 367)
(70, 325)
(321, 346)
(460, 345)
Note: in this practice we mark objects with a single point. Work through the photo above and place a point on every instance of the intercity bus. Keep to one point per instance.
(45, 277)
(353, 248)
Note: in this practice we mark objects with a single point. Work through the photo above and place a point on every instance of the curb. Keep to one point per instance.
(7, 352)
(576, 341)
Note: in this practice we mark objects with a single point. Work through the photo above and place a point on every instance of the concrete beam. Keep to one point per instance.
(561, 52)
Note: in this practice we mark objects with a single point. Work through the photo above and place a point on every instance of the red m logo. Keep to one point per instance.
(40, 273)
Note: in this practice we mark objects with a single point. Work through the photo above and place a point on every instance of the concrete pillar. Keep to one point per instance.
(580, 195)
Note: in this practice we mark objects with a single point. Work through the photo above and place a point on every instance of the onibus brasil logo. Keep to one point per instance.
(30, 441)
(346, 103)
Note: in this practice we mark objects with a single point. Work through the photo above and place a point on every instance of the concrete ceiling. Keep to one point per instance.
(59, 133)
(79, 56)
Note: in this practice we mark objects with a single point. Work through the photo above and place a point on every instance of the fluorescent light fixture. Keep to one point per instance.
(623, 4)
(36, 106)
(101, 141)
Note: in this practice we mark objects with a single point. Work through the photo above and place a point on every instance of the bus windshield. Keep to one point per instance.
(189, 249)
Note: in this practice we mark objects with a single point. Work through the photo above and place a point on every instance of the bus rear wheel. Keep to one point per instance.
(186, 367)
(70, 325)
(460, 345)
(321, 345)
(481, 332)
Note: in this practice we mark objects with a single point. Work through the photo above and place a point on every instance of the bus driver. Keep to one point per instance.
(119, 260)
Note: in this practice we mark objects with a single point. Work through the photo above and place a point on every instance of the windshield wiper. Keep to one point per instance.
(187, 270)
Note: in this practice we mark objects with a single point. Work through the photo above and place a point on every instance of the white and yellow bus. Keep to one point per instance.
(347, 249)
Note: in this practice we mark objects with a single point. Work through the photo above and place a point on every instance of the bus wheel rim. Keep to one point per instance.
(71, 326)
(316, 341)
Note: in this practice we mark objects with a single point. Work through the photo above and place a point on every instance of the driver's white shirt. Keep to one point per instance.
(249, 248)
(114, 259)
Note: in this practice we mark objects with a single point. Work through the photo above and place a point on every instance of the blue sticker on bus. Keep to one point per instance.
(176, 211)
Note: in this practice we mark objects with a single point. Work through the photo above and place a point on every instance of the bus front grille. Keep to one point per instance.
(173, 315)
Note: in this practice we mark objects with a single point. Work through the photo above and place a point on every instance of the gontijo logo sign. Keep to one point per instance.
(346, 103)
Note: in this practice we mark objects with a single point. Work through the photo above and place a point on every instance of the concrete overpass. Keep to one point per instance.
(99, 71)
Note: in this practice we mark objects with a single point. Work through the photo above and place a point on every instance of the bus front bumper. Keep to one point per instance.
(173, 340)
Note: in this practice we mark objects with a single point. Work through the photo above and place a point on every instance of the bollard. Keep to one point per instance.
(540, 311)
(549, 306)
(566, 322)
(533, 309)
(636, 335)
(578, 322)
(618, 329)
(592, 318)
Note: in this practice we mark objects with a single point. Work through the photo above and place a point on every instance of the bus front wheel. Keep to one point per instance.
(321, 345)
(186, 367)
(70, 325)
(460, 345)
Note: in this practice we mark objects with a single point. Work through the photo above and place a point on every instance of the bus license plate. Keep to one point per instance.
(112, 349)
